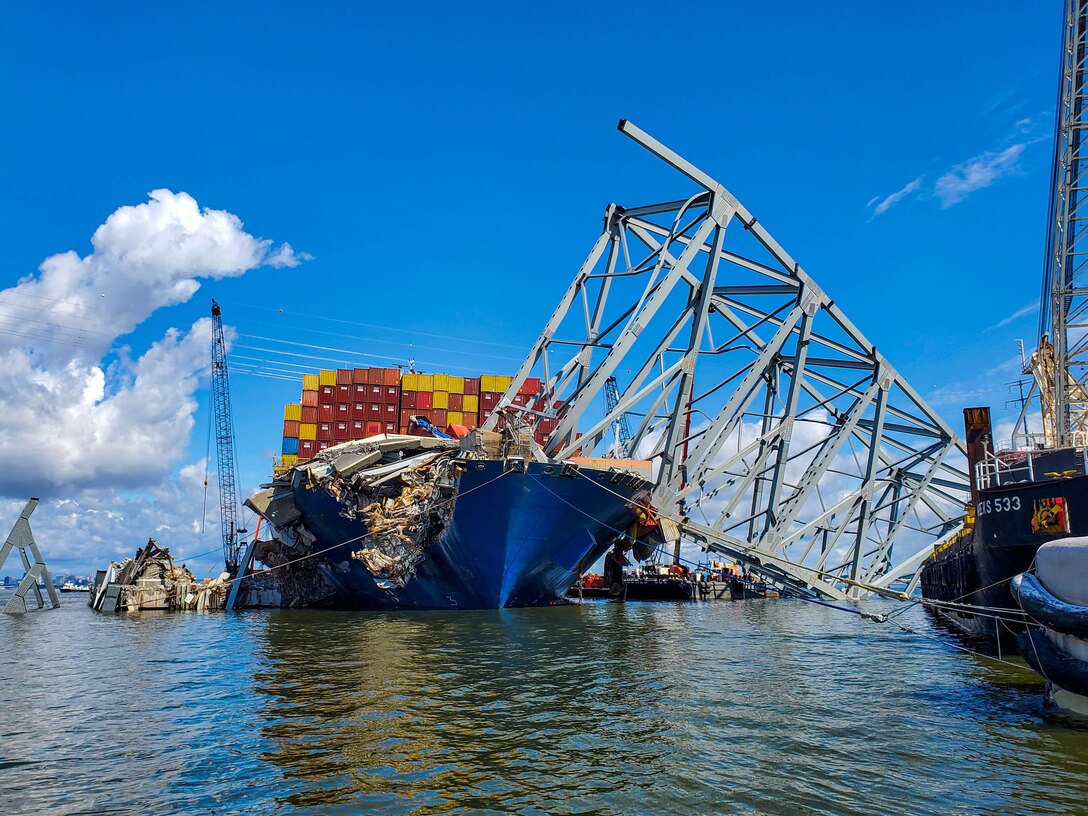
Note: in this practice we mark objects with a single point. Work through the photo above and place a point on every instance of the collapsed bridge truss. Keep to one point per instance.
(781, 437)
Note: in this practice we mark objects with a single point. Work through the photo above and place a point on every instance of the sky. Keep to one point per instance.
(424, 181)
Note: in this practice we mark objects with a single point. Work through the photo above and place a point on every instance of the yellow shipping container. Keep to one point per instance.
(487, 383)
(442, 382)
(503, 383)
(457, 385)
(307, 430)
(441, 399)
(327, 376)
(310, 382)
(455, 418)
(424, 382)
(471, 404)
(409, 382)
(289, 459)
(292, 412)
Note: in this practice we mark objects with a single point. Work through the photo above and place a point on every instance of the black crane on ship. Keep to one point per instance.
(224, 444)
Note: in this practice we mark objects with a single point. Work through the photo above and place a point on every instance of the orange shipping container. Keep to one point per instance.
(290, 428)
(343, 376)
(360, 375)
(309, 399)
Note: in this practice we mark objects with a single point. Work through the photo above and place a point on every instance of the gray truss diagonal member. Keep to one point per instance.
(748, 388)
(21, 538)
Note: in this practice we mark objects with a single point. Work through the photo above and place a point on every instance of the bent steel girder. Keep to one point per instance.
(780, 436)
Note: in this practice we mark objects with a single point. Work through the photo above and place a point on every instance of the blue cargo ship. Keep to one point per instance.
(449, 529)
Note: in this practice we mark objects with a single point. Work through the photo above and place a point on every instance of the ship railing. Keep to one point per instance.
(1022, 442)
(993, 471)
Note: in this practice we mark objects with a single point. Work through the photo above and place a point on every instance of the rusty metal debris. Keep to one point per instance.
(149, 580)
(399, 486)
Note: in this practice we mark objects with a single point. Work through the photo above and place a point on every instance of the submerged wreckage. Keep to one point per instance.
(414, 522)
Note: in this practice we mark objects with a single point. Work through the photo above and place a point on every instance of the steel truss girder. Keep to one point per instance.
(792, 414)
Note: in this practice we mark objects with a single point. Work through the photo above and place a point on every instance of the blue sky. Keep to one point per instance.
(446, 167)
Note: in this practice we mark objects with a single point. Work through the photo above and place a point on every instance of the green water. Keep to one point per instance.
(751, 707)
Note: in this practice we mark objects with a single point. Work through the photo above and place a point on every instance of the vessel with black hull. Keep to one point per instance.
(425, 523)
(1021, 500)
(1032, 488)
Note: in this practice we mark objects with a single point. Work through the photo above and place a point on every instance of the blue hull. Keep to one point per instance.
(515, 539)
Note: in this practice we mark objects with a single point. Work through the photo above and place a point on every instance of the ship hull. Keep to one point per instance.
(976, 571)
(519, 535)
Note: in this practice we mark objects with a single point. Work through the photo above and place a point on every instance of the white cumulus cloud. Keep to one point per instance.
(75, 417)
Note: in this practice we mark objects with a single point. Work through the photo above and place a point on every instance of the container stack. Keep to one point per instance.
(339, 405)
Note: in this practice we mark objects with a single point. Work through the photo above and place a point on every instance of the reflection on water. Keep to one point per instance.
(753, 707)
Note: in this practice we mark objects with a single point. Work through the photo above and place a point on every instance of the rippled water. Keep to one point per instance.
(752, 707)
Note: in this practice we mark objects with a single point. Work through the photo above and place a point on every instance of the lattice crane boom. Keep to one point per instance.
(224, 443)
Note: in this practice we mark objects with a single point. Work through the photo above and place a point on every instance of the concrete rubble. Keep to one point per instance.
(151, 580)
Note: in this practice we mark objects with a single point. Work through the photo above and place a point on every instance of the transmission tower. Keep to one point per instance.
(620, 427)
(224, 443)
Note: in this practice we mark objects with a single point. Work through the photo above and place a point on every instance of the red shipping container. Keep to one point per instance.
(360, 392)
(307, 448)
(439, 418)
(341, 431)
(530, 387)
(389, 412)
(392, 377)
(374, 393)
(375, 376)
(358, 411)
(374, 412)
(489, 400)
(390, 394)
(343, 376)
(359, 375)
(290, 428)
(521, 399)
(405, 415)
(358, 429)
(424, 400)
(472, 385)
(342, 411)
(345, 393)
(324, 432)
(326, 395)
(407, 399)
(309, 414)
(375, 428)
(326, 413)
(309, 399)
(323, 444)
(390, 427)
(457, 402)
(470, 421)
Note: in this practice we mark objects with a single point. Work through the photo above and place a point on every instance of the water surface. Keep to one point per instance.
(767, 706)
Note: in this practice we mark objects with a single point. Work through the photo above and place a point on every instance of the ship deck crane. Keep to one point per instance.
(224, 444)
(620, 427)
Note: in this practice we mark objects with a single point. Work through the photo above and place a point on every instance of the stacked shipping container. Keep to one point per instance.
(339, 405)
